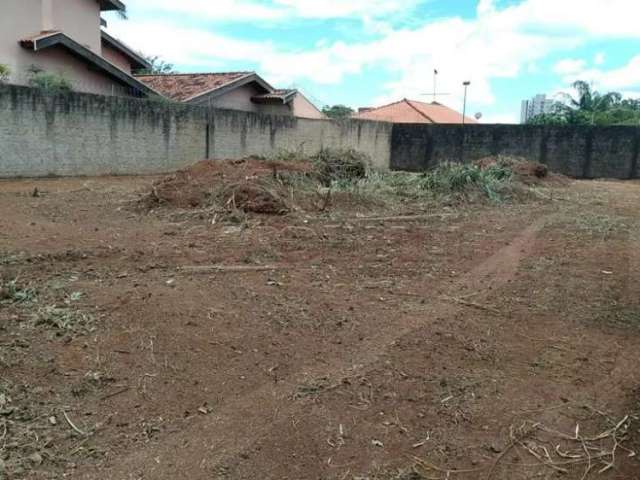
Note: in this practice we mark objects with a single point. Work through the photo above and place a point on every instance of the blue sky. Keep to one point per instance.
(371, 52)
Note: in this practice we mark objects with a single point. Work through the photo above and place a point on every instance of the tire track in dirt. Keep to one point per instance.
(239, 423)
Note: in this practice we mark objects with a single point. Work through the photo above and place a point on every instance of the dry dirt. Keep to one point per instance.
(479, 342)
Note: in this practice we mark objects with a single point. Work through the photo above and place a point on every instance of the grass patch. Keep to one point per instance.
(448, 181)
(11, 292)
(600, 225)
(625, 317)
(64, 319)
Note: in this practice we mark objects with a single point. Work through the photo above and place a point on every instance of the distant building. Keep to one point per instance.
(412, 111)
(538, 105)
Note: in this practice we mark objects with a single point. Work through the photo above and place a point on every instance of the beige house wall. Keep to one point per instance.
(20, 18)
(240, 99)
(303, 108)
(57, 60)
(116, 57)
(80, 20)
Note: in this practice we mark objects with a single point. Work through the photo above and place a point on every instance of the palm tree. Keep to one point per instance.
(588, 104)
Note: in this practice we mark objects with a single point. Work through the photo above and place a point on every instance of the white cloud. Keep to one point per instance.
(342, 8)
(626, 77)
(498, 43)
(185, 45)
(273, 10)
(599, 58)
(569, 66)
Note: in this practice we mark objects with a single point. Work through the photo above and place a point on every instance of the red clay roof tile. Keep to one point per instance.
(411, 111)
(186, 86)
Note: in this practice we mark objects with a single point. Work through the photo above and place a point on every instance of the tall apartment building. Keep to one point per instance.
(536, 106)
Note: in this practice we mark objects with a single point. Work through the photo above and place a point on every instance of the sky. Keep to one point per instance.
(372, 52)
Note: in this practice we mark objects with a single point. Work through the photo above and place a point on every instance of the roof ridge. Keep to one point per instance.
(409, 102)
(383, 106)
(195, 73)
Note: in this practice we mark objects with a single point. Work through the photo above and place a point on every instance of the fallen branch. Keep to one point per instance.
(116, 393)
(229, 268)
(468, 303)
(76, 429)
(401, 218)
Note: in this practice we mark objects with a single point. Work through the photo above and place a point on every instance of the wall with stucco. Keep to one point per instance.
(580, 152)
(116, 57)
(303, 108)
(83, 134)
(240, 99)
(79, 19)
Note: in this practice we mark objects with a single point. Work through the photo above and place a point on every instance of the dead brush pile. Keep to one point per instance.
(256, 185)
(336, 179)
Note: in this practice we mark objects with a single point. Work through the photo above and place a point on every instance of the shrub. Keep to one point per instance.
(48, 81)
(446, 180)
(5, 71)
(454, 178)
(339, 165)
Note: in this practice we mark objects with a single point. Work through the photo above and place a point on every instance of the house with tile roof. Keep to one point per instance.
(246, 91)
(412, 111)
(64, 37)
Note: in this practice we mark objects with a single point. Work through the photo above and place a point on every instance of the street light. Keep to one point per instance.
(464, 107)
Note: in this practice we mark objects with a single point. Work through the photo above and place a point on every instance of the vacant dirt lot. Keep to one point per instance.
(476, 342)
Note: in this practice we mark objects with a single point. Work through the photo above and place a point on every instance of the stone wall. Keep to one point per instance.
(83, 134)
(581, 152)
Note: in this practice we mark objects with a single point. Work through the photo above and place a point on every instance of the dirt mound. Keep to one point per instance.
(252, 197)
(238, 180)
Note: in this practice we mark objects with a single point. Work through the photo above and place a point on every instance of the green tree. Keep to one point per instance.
(337, 112)
(548, 119)
(5, 72)
(158, 67)
(590, 107)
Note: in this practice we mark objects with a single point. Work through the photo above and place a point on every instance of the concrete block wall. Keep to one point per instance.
(580, 152)
(83, 134)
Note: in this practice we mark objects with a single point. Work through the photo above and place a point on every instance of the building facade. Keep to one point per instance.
(535, 106)
(64, 38)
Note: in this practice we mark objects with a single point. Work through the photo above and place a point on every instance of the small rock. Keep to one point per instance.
(35, 458)
(377, 443)
(171, 282)
(53, 420)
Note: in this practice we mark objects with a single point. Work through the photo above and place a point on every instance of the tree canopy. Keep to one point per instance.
(337, 111)
(158, 66)
(590, 107)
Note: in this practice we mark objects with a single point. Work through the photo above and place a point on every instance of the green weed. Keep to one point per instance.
(64, 319)
(11, 292)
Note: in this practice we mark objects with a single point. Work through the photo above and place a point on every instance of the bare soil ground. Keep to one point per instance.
(471, 342)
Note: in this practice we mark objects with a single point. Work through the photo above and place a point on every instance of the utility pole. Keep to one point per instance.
(464, 107)
(435, 84)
